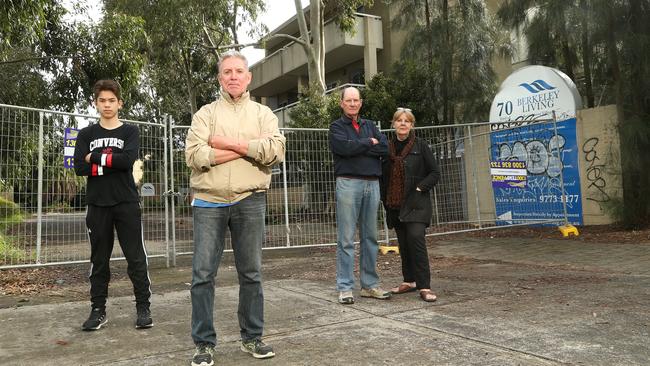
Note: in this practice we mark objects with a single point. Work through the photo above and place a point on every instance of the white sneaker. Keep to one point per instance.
(346, 298)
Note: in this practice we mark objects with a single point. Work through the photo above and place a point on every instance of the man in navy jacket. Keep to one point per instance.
(357, 146)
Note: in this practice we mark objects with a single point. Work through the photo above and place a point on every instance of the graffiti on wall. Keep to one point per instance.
(596, 177)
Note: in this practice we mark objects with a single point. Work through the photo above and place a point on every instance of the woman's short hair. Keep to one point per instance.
(407, 112)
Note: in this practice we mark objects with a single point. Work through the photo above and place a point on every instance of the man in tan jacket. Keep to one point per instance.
(231, 146)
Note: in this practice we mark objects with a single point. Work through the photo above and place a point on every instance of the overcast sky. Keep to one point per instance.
(277, 12)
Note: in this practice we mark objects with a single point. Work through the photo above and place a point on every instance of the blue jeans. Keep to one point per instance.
(357, 200)
(246, 223)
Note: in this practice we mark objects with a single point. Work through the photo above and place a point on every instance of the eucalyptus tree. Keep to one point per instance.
(56, 71)
(22, 22)
(312, 33)
(185, 38)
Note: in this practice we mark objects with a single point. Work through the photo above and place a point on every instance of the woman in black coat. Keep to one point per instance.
(409, 174)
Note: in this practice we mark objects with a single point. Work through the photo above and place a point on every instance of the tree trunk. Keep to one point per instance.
(233, 24)
(446, 64)
(191, 92)
(638, 65)
(566, 49)
(430, 84)
(313, 43)
(586, 54)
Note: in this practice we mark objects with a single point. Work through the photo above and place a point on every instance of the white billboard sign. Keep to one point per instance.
(533, 93)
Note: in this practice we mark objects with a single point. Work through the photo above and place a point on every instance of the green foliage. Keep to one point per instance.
(385, 93)
(635, 142)
(9, 214)
(381, 98)
(342, 11)
(182, 64)
(22, 22)
(9, 253)
(21, 72)
(57, 69)
(315, 110)
(117, 51)
(447, 57)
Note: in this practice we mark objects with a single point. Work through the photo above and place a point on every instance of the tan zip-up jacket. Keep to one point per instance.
(237, 179)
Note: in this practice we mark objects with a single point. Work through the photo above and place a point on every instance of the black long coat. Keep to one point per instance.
(420, 171)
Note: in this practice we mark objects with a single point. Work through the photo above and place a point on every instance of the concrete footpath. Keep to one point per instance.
(501, 302)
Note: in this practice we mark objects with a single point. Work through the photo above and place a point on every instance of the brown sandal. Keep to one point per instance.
(403, 288)
(428, 295)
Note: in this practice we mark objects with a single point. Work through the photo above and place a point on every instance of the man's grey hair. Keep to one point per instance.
(230, 54)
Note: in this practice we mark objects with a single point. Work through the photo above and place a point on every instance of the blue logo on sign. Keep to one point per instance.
(537, 86)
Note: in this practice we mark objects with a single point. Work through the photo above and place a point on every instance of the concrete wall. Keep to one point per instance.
(599, 162)
(477, 173)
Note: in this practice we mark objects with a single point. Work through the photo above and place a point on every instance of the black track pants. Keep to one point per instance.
(126, 219)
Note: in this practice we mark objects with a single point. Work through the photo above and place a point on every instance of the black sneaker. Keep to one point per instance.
(96, 319)
(257, 348)
(144, 318)
(203, 355)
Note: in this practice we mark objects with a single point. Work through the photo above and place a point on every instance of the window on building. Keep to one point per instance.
(358, 77)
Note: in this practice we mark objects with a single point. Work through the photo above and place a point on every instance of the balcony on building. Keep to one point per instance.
(349, 58)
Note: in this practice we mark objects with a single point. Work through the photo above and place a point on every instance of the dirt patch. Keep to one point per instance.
(69, 282)
(610, 234)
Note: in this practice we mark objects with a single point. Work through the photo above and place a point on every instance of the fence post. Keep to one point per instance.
(287, 228)
(170, 220)
(563, 195)
(383, 214)
(475, 177)
(165, 190)
(39, 198)
(435, 205)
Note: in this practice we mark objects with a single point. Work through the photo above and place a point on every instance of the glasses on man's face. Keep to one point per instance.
(402, 109)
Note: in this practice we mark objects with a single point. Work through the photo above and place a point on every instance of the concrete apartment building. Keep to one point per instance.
(350, 58)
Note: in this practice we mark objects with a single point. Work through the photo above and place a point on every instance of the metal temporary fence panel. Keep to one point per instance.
(300, 199)
(42, 204)
(180, 193)
(480, 185)
(306, 184)
(42, 201)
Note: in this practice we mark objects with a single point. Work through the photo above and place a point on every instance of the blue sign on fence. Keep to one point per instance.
(546, 156)
(69, 142)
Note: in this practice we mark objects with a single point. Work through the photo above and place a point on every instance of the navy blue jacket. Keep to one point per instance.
(354, 153)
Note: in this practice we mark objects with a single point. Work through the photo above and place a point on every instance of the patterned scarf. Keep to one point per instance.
(395, 195)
